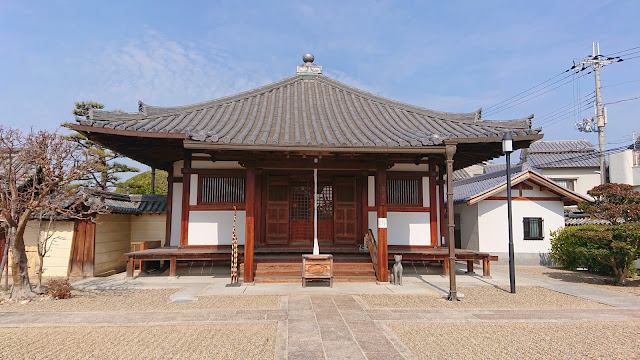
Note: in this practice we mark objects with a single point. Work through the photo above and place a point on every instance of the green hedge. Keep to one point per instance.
(602, 249)
(569, 247)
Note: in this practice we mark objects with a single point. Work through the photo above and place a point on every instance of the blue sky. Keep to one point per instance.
(444, 55)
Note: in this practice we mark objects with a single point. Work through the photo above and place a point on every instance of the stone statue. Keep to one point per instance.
(396, 274)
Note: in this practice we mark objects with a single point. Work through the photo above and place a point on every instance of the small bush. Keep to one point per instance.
(59, 288)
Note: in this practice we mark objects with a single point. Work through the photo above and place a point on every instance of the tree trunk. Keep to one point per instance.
(623, 277)
(38, 289)
(21, 287)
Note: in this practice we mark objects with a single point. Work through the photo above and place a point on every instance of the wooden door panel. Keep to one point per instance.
(81, 259)
(345, 220)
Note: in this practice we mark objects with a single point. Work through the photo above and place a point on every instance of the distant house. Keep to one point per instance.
(573, 164)
(480, 210)
(85, 248)
(624, 166)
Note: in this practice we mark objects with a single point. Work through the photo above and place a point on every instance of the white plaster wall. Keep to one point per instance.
(586, 178)
(621, 168)
(176, 214)
(215, 227)
(193, 190)
(373, 222)
(404, 228)
(492, 223)
(371, 190)
(468, 225)
(408, 228)
(425, 191)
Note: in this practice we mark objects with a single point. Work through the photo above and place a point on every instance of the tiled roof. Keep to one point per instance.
(467, 189)
(562, 154)
(308, 111)
(557, 146)
(133, 204)
(584, 221)
(471, 188)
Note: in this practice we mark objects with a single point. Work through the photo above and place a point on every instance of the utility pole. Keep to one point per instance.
(596, 61)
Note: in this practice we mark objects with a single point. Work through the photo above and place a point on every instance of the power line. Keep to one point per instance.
(530, 97)
(621, 51)
(531, 88)
(622, 83)
(572, 105)
(619, 101)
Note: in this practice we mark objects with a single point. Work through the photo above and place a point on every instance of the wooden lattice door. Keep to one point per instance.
(301, 215)
(277, 219)
(325, 211)
(345, 220)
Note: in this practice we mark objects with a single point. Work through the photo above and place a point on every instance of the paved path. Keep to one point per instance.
(611, 298)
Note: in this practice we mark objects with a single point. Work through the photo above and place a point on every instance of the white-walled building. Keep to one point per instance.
(537, 207)
(624, 166)
(573, 164)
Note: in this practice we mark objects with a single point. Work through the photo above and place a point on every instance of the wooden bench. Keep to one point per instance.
(174, 254)
(442, 254)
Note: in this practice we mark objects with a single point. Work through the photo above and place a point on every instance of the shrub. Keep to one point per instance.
(568, 247)
(608, 249)
(59, 288)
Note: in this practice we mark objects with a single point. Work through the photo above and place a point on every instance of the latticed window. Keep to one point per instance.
(533, 229)
(406, 191)
(221, 190)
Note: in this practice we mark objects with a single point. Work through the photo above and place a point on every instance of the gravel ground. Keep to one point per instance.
(583, 277)
(140, 300)
(484, 297)
(217, 341)
(534, 340)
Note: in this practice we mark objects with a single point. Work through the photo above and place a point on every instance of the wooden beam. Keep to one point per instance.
(381, 205)
(249, 237)
(186, 191)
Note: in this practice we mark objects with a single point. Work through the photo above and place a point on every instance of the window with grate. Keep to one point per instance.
(221, 190)
(406, 191)
(533, 229)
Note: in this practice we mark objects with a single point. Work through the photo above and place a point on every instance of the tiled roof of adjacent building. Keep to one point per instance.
(308, 110)
(467, 190)
(562, 154)
(133, 203)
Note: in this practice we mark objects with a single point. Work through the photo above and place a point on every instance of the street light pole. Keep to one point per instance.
(507, 148)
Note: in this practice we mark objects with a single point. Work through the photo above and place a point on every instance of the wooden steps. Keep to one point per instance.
(274, 268)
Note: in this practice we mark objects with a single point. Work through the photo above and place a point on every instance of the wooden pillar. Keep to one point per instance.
(453, 293)
(186, 185)
(167, 235)
(249, 237)
(433, 204)
(381, 206)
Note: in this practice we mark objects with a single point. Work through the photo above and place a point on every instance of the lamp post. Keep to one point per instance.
(507, 148)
